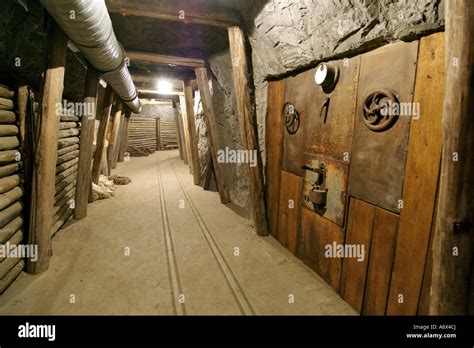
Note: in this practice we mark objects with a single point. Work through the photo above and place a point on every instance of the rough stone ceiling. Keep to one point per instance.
(168, 37)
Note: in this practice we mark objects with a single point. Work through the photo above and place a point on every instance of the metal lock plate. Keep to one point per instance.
(330, 116)
(379, 153)
(325, 196)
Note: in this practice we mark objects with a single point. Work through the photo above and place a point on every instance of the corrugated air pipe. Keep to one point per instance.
(88, 25)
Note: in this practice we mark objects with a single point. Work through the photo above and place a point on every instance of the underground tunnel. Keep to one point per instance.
(224, 157)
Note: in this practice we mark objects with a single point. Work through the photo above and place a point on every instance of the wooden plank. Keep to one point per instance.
(188, 95)
(8, 129)
(67, 125)
(84, 169)
(119, 140)
(194, 12)
(455, 209)
(7, 117)
(7, 215)
(26, 127)
(6, 104)
(158, 140)
(67, 133)
(184, 120)
(212, 133)
(425, 295)
(8, 143)
(6, 92)
(111, 154)
(62, 167)
(247, 122)
(421, 179)
(316, 234)
(62, 143)
(10, 197)
(11, 276)
(359, 232)
(126, 132)
(64, 174)
(382, 250)
(274, 147)
(164, 59)
(66, 150)
(289, 210)
(9, 169)
(9, 182)
(45, 166)
(7, 231)
(157, 92)
(8, 156)
(179, 133)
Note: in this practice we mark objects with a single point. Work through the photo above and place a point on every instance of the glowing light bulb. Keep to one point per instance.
(164, 86)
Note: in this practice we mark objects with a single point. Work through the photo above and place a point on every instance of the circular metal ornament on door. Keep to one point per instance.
(378, 112)
(291, 118)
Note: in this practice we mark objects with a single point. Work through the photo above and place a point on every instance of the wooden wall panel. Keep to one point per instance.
(354, 273)
(421, 179)
(365, 284)
(316, 233)
(289, 213)
(382, 249)
(274, 147)
(425, 295)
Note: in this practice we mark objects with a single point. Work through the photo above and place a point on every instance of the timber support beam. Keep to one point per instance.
(248, 129)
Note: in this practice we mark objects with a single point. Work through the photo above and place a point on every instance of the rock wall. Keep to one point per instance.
(201, 131)
(228, 126)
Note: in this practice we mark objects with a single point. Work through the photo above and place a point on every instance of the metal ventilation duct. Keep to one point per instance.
(87, 23)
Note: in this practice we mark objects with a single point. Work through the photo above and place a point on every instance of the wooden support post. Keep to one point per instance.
(119, 142)
(452, 248)
(104, 110)
(188, 95)
(179, 131)
(111, 155)
(248, 127)
(84, 170)
(26, 125)
(184, 121)
(124, 141)
(158, 135)
(212, 133)
(46, 154)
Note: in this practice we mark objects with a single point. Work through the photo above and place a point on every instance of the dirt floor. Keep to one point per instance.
(164, 246)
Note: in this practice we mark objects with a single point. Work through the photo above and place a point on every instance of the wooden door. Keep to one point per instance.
(289, 210)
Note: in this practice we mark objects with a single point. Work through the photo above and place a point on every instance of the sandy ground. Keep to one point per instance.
(163, 246)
